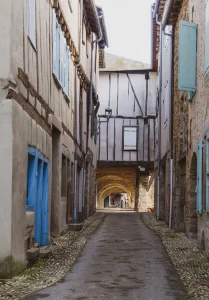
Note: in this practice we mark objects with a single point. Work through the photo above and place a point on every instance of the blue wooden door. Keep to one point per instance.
(37, 194)
(38, 206)
(44, 211)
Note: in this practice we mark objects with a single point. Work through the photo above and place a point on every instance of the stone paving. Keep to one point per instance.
(46, 272)
(191, 263)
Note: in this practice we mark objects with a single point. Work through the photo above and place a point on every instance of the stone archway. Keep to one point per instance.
(112, 181)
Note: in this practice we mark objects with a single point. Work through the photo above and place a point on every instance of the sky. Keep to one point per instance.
(128, 24)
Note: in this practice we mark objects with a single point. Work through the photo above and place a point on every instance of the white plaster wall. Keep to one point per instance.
(166, 95)
(125, 99)
(5, 177)
(5, 34)
(119, 90)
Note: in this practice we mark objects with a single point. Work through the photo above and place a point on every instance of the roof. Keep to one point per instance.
(91, 12)
(172, 8)
(161, 5)
(118, 63)
(104, 41)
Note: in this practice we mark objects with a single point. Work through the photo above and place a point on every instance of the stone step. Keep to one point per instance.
(45, 252)
(75, 226)
(32, 253)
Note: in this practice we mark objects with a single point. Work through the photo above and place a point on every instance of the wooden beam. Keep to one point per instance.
(134, 94)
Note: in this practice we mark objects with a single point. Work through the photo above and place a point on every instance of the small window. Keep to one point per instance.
(31, 20)
(129, 138)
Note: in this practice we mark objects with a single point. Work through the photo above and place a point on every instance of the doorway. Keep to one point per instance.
(37, 194)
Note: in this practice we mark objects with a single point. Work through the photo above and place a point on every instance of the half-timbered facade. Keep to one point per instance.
(49, 57)
(126, 126)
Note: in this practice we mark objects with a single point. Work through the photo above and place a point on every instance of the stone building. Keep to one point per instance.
(126, 125)
(190, 65)
(49, 57)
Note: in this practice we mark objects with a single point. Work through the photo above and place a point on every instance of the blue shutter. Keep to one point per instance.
(62, 57)
(199, 177)
(206, 37)
(187, 56)
(66, 86)
(207, 173)
(58, 52)
(31, 20)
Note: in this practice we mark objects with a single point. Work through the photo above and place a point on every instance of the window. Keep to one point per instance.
(31, 20)
(187, 56)
(60, 57)
(130, 138)
(206, 37)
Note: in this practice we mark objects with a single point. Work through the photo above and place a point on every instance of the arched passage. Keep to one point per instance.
(114, 184)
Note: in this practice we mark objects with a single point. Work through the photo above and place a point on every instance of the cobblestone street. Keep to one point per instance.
(191, 263)
(124, 259)
(47, 272)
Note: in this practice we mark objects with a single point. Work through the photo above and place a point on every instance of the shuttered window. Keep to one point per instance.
(130, 138)
(60, 60)
(206, 37)
(31, 21)
(207, 173)
(187, 56)
(199, 177)
(66, 72)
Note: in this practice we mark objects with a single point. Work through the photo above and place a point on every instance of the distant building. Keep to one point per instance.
(126, 126)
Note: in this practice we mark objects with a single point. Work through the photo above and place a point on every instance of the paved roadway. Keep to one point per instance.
(122, 260)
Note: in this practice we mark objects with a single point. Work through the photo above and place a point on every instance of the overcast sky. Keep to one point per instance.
(128, 25)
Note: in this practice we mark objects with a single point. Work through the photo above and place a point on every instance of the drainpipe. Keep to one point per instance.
(159, 122)
(91, 72)
(90, 112)
(171, 128)
(76, 121)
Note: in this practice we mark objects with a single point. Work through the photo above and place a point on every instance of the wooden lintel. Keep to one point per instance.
(61, 20)
(67, 35)
(58, 12)
(55, 4)
(64, 28)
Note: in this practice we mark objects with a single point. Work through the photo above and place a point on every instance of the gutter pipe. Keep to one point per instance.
(90, 111)
(76, 122)
(171, 127)
(159, 122)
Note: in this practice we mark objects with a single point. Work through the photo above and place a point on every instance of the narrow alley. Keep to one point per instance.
(122, 260)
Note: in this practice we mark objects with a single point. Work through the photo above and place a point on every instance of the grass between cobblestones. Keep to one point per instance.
(46, 272)
(191, 263)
